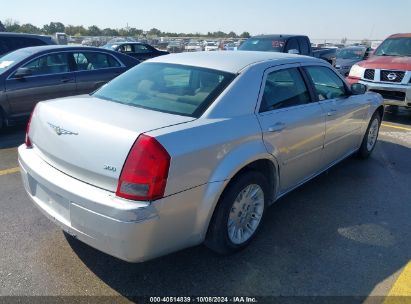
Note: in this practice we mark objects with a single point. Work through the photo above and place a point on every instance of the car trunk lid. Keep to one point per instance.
(89, 138)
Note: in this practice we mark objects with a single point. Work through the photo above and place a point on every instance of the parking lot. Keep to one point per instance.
(345, 233)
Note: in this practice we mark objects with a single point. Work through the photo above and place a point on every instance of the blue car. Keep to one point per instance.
(33, 74)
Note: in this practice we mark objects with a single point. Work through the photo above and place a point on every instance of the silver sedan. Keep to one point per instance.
(191, 148)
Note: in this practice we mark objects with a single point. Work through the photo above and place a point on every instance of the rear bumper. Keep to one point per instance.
(393, 94)
(131, 231)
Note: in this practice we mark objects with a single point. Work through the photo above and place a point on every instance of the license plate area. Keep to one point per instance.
(58, 206)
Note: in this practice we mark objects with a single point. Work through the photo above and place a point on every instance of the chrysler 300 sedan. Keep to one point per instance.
(191, 148)
(32, 74)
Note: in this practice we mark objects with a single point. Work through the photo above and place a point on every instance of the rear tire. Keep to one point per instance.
(370, 138)
(239, 213)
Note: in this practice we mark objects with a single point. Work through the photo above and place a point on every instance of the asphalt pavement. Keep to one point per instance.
(345, 233)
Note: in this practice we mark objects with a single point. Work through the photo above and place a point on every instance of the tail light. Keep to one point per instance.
(145, 172)
(27, 140)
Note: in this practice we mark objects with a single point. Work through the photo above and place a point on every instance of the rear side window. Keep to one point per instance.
(87, 61)
(284, 88)
(304, 47)
(327, 84)
(292, 44)
(263, 45)
(170, 88)
(141, 49)
(126, 48)
(49, 64)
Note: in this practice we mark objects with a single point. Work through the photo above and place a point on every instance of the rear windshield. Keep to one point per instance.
(263, 44)
(170, 88)
(394, 47)
(351, 53)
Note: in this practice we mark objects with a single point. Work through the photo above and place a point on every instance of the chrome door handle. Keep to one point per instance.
(279, 126)
(332, 112)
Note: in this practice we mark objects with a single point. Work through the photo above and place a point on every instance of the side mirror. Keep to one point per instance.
(358, 89)
(293, 51)
(22, 72)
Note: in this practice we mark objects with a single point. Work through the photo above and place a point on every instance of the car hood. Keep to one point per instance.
(387, 63)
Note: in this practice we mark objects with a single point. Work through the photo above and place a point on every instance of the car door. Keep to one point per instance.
(293, 125)
(345, 113)
(51, 77)
(94, 69)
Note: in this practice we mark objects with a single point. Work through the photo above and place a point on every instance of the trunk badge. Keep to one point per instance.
(60, 131)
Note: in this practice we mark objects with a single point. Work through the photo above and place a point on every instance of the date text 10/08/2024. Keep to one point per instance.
(203, 300)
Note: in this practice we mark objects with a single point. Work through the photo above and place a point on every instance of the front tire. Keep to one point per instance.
(239, 213)
(370, 137)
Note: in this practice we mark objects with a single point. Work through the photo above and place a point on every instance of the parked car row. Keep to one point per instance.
(138, 50)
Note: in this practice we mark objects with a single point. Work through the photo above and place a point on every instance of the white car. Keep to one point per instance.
(211, 46)
(193, 47)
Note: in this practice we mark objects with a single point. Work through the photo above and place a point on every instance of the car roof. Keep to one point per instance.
(44, 48)
(401, 35)
(10, 34)
(276, 36)
(125, 42)
(232, 62)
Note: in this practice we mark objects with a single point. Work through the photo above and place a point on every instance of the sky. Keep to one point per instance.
(319, 19)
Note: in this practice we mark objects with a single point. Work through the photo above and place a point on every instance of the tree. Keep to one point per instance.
(53, 27)
(123, 32)
(232, 35)
(154, 32)
(109, 32)
(2, 27)
(11, 25)
(29, 28)
(77, 30)
(93, 30)
(245, 35)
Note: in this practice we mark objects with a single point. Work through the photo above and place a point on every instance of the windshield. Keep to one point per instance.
(351, 54)
(394, 47)
(265, 45)
(11, 59)
(170, 88)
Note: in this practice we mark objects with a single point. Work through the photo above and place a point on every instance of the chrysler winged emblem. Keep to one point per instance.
(60, 131)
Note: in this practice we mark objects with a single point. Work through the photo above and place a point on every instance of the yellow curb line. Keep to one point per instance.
(401, 290)
(395, 127)
(9, 171)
